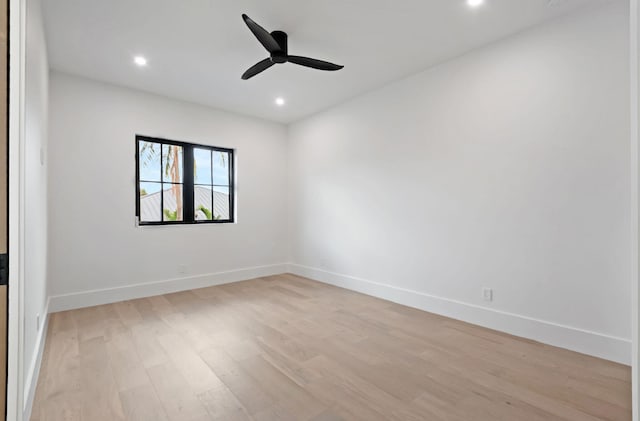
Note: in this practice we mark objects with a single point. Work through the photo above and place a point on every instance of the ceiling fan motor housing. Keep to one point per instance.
(282, 40)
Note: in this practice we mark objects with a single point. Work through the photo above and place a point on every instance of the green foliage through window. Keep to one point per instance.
(170, 215)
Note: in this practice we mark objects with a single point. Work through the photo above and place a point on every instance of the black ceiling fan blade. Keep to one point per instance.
(265, 38)
(314, 64)
(257, 68)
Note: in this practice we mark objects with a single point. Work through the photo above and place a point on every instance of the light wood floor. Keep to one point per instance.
(286, 348)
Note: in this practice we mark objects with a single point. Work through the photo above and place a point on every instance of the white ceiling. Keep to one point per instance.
(198, 49)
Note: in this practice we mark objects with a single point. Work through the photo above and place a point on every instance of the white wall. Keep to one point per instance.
(94, 244)
(35, 185)
(506, 168)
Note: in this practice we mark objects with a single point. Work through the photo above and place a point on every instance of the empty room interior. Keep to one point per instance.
(322, 211)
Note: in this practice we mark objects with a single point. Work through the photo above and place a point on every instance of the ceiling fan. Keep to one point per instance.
(277, 46)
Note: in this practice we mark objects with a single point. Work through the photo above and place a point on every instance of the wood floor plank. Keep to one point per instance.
(128, 312)
(244, 387)
(61, 393)
(286, 394)
(127, 365)
(222, 405)
(287, 348)
(101, 400)
(90, 322)
(142, 404)
(199, 375)
(178, 401)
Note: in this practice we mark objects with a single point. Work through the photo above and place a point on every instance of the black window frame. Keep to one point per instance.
(188, 182)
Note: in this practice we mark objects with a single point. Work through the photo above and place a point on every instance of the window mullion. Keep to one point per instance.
(161, 184)
(188, 197)
(213, 194)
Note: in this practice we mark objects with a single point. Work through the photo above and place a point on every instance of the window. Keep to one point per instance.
(183, 183)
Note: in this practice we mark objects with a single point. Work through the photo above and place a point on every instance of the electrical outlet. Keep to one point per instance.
(182, 269)
(487, 294)
(38, 322)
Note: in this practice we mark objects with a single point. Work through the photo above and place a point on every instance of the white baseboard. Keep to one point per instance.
(574, 339)
(31, 381)
(112, 295)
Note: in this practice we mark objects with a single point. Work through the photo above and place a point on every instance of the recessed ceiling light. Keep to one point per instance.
(475, 3)
(140, 61)
(279, 101)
